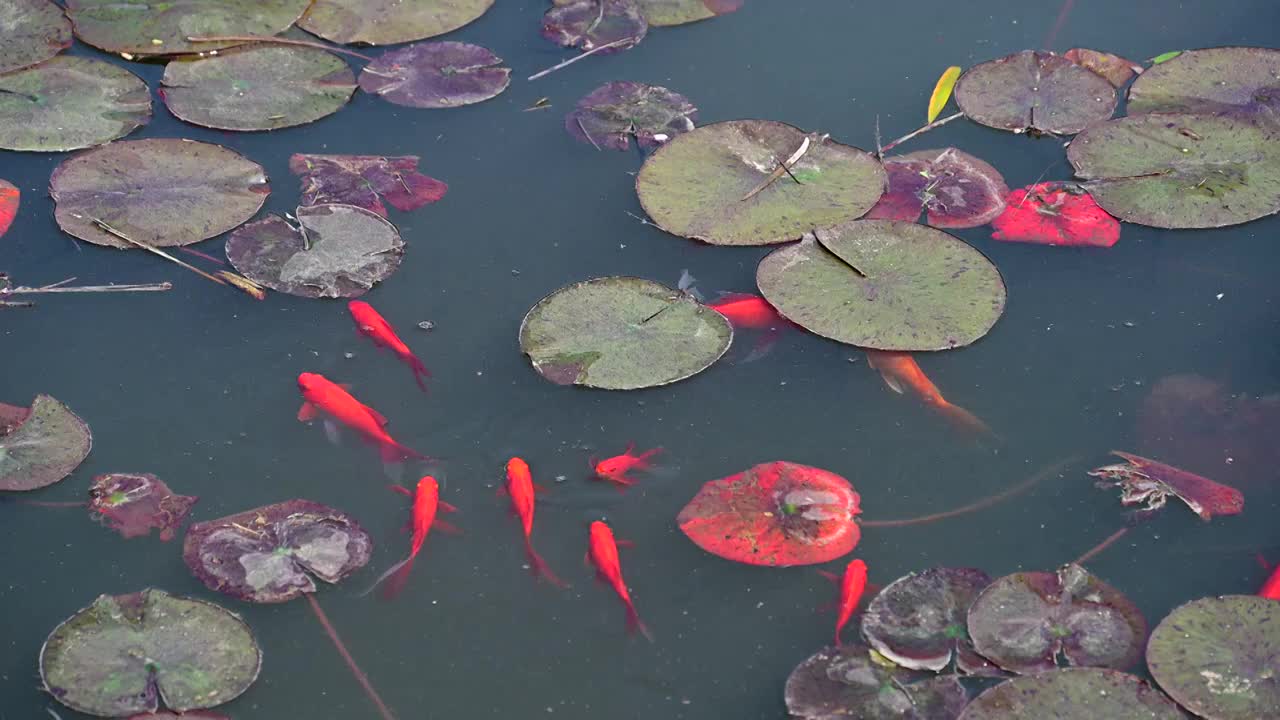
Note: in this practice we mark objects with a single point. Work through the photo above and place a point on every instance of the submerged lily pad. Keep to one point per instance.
(10, 196)
(1073, 694)
(1151, 482)
(1181, 171)
(1055, 213)
(388, 22)
(68, 103)
(777, 514)
(34, 31)
(132, 504)
(1115, 69)
(885, 285)
(588, 24)
(622, 333)
(160, 191)
(953, 188)
(1025, 621)
(1220, 657)
(364, 180)
(1035, 92)
(144, 27)
(42, 446)
(436, 75)
(847, 682)
(125, 653)
(263, 87)
(334, 251)
(1238, 80)
(725, 183)
(613, 113)
(269, 554)
(919, 621)
(661, 13)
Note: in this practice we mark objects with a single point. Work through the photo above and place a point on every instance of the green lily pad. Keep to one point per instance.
(661, 13)
(264, 87)
(144, 27)
(622, 333)
(713, 183)
(1215, 80)
(886, 285)
(919, 621)
(125, 653)
(1181, 170)
(1220, 657)
(388, 22)
(160, 191)
(41, 446)
(1073, 694)
(68, 103)
(34, 31)
(1035, 92)
(848, 682)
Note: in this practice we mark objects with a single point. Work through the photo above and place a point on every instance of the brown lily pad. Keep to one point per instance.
(436, 75)
(1035, 92)
(952, 188)
(143, 27)
(388, 22)
(133, 504)
(69, 103)
(35, 30)
(40, 446)
(364, 181)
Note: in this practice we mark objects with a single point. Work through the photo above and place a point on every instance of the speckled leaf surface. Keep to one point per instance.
(1115, 69)
(436, 75)
(69, 103)
(615, 112)
(33, 31)
(41, 447)
(588, 24)
(389, 22)
(920, 621)
(133, 504)
(678, 12)
(143, 27)
(951, 187)
(1073, 694)
(846, 683)
(1035, 91)
(1236, 80)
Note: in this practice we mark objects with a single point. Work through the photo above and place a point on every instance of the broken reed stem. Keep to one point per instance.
(935, 124)
(576, 58)
(274, 40)
(805, 144)
(383, 711)
(1101, 546)
(56, 288)
(222, 278)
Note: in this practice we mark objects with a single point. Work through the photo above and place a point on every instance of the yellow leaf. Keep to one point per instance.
(942, 92)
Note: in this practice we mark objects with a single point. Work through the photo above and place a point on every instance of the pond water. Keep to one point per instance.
(197, 385)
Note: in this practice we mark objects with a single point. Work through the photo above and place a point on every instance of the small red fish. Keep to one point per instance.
(521, 489)
(603, 553)
(1271, 588)
(745, 310)
(375, 327)
(900, 371)
(615, 469)
(852, 584)
(323, 396)
(426, 501)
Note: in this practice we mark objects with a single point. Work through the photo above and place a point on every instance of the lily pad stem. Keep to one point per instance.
(576, 58)
(383, 711)
(276, 41)
(1101, 546)
(935, 124)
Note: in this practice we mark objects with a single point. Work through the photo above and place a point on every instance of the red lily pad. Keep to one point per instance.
(953, 188)
(35, 30)
(436, 75)
(388, 22)
(133, 504)
(847, 682)
(1115, 69)
(364, 181)
(9, 199)
(588, 24)
(615, 112)
(920, 621)
(1034, 92)
(41, 447)
(1152, 483)
(1055, 213)
(776, 514)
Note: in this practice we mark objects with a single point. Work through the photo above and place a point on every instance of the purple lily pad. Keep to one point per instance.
(1143, 480)
(364, 180)
(436, 75)
(133, 504)
(588, 24)
(269, 554)
(1232, 80)
(613, 113)
(41, 447)
(1073, 694)
(1025, 621)
(919, 621)
(35, 30)
(1035, 92)
(953, 188)
(846, 682)
(388, 22)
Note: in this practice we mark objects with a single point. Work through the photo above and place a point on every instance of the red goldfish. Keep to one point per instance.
(852, 585)
(615, 469)
(744, 310)
(603, 553)
(1271, 588)
(323, 396)
(373, 326)
(520, 488)
(900, 370)
(426, 501)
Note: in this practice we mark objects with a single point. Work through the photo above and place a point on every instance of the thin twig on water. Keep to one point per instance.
(61, 287)
(383, 711)
(240, 282)
(583, 128)
(783, 167)
(935, 124)
(1101, 546)
(576, 58)
(276, 41)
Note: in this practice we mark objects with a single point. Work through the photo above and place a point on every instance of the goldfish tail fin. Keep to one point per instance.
(395, 578)
(635, 624)
(763, 345)
(420, 372)
(966, 420)
(643, 458)
(539, 568)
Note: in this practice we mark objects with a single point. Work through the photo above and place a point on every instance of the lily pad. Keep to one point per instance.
(1035, 92)
(1115, 69)
(613, 113)
(661, 13)
(160, 191)
(588, 24)
(725, 184)
(953, 188)
(34, 31)
(1181, 171)
(622, 333)
(436, 75)
(1234, 80)
(885, 285)
(1143, 480)
(143, 27)
(848, 682)
(1024, 622)
(68, 103)
(777, 514)
(41, 447)
(334, 251)
(262, 87)
(365, 180)
(388, 22)
(1073, 694)
(10, 196)
(1218, 657)
(125, 653)
(920, 621)
(269, 555)
(132, 504)
(1055, 213)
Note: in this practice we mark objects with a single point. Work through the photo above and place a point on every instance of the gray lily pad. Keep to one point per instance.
(613, 113)
(1243, 80)
(1073, 694)
(1181, 170)
(953, 188)
(365, 180)
(1035, 92)
(1220, 657)
(1025, 621)
(42, 446)
(269, 554)
(920, 621)
(34, 31)
(724, 183)
(588, 24)
(160, 191)
(125, 654)
(68, 103)
(622, 333)
(848, 682)
(389, 22)
(334, 251)
(144, 27)
(886, 285)
(133, 504)
(661, 13)
(436, 75)
(263, 87)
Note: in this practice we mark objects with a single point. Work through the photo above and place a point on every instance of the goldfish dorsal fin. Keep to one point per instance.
(893, 383)
(308, 412)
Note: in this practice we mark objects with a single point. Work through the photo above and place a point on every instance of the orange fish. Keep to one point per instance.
(852, 585)
(426, 501)
(520, 488)
(323, 396)
(747, 311)
(1271, 588)
(375, 327)
(615, 469)
(603, 553)
(900, 371)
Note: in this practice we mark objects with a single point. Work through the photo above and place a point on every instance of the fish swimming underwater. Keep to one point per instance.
(322, 396)
(615, 469)
(372, 325)
(900, 372)
(521, 490)
(426, 502)
(602, 551)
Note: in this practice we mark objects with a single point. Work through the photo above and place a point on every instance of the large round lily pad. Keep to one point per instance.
(389, 22)
(848, 683)
(622, 333)
(953, 188)
(159, 191)
(678, 12)
(615, 112)
(34, 31)
(1239, 80)
(588, 24)
(333, 251)
(41, 446)
(777, 514)
(725, 183)
(886, 285)
(920, 621)
(144, 27)
(1035, 92)
(436, 75)
(1073, 694)
(68, 103)
(124, 654)
(1220, 657)
(1025, 621)
(133, 504)
(263, 87)
(269, 555)
(1181, 171)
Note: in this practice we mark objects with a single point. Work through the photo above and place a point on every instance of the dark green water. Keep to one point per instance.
(197, 385)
